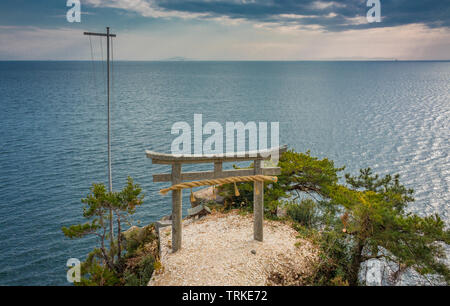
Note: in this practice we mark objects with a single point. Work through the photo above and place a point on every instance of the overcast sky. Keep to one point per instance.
(228, 29)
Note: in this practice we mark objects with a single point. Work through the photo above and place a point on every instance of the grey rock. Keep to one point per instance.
(131, 232)
(163, 223)
(207, 195)
(371, 273)
(199, 210)
(380, 272)
(135, 233)
(165, 218)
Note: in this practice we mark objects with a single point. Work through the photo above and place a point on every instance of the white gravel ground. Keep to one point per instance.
(217, 250)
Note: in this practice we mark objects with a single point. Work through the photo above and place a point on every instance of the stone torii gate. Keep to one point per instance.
(177, 176)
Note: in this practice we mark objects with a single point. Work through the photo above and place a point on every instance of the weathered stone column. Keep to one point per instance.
(258, 203)
(176, 208)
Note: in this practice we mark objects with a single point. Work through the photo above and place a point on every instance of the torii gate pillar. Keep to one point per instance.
(258, 204)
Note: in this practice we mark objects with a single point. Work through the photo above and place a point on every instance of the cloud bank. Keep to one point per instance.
(231, 30)
(327, 15)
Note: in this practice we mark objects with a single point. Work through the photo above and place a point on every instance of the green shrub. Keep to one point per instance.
(141, 273)
(305, 212)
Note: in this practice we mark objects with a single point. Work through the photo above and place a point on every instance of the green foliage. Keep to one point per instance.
(305, 213)
(141, 273)
(138, 239)
(391, 189)
(300, 172)
(95, 273)
(142, 255)
(335, 260)
(81, 230)
(103, 210)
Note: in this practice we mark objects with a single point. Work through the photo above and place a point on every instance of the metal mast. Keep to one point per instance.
(108, 35)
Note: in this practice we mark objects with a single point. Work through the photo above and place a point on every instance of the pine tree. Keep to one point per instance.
(379, 227)
(103, 264)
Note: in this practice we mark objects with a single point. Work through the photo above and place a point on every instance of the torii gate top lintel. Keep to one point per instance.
(177, 177)
(165, 158)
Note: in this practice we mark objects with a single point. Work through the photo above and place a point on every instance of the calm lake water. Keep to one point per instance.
(391, 116)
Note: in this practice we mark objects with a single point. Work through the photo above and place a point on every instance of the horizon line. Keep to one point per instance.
(232, 60)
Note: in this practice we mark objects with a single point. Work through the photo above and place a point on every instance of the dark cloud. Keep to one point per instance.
(331, 15)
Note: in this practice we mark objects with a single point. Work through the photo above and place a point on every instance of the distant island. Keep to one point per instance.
(177, 59)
